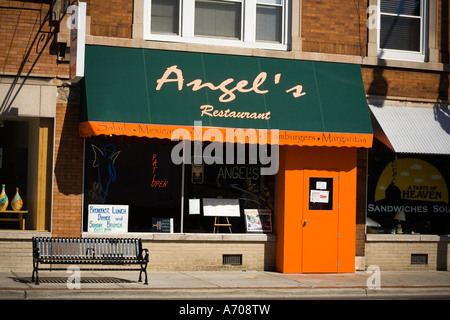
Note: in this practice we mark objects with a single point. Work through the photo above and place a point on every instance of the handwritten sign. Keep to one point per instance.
(108, 218)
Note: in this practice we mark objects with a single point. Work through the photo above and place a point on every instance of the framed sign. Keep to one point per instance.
(258, 220)
(108, 218)
(221, 207)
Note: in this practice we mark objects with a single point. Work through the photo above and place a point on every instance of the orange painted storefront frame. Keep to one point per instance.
(294, 161)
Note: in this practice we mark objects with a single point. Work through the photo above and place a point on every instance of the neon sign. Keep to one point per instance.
(157, 183)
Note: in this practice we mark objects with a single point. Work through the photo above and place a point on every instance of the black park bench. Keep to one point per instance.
(92, 251)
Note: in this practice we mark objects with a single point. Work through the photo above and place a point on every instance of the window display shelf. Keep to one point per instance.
(20, 218)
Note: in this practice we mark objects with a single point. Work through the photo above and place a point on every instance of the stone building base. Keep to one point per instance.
(407, 252)
(167, 252)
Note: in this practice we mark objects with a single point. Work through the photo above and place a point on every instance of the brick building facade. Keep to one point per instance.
(36, 90)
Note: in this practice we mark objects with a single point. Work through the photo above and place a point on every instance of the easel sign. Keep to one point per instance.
(221, 208)
(258, 220)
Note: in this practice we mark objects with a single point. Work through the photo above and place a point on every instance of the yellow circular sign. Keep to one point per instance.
(416, 179)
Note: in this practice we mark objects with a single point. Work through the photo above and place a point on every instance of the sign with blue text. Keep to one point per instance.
(108, 218)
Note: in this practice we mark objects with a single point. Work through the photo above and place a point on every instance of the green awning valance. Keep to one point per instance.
(145, 92)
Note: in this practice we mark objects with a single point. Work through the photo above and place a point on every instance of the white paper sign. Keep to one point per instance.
(321, 185)
(108, 218)
(320, 196)
(194, 206)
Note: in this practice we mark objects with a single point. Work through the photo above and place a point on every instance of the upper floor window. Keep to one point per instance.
(244, 23)
(165, 18)
(402, 29)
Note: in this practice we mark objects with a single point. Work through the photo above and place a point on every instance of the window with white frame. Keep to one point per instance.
(402, 29)
(244, 23)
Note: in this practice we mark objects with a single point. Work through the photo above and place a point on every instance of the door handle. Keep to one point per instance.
(305, 222)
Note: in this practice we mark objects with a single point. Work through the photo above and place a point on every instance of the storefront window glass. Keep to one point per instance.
(140, 174)
(134, 173)
(407, 193)
(13, 168)
(232, 180)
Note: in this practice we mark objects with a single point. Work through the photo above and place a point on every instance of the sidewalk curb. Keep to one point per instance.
(216, 293)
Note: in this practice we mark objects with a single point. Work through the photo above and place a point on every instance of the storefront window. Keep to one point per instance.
(140, 175)
(242, 182)
(133, 173)
(407, 193)
(13, 168)
(26, 163)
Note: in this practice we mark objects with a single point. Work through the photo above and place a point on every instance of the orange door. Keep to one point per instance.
(320, 221)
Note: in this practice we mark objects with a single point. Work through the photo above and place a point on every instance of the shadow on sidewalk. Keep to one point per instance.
(63, 280)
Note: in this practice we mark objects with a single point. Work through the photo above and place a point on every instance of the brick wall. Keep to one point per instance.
(15, 252)
(395, 254)
(16, 255)
(420, 84)
(183, 255)
(334, 27)
(67, 193)
(27, 39)
(113, 18)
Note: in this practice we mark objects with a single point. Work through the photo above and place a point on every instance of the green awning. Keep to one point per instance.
(146, 92)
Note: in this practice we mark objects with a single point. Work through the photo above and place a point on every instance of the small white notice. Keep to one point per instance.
(194, 206)
(321, 185)
(108, 218)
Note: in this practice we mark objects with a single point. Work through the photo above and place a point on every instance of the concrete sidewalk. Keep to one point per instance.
(203, 285)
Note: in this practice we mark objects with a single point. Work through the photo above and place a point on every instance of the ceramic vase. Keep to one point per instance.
(16, 202)
(3, 199)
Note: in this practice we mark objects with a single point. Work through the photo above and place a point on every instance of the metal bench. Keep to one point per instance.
(99, 251)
